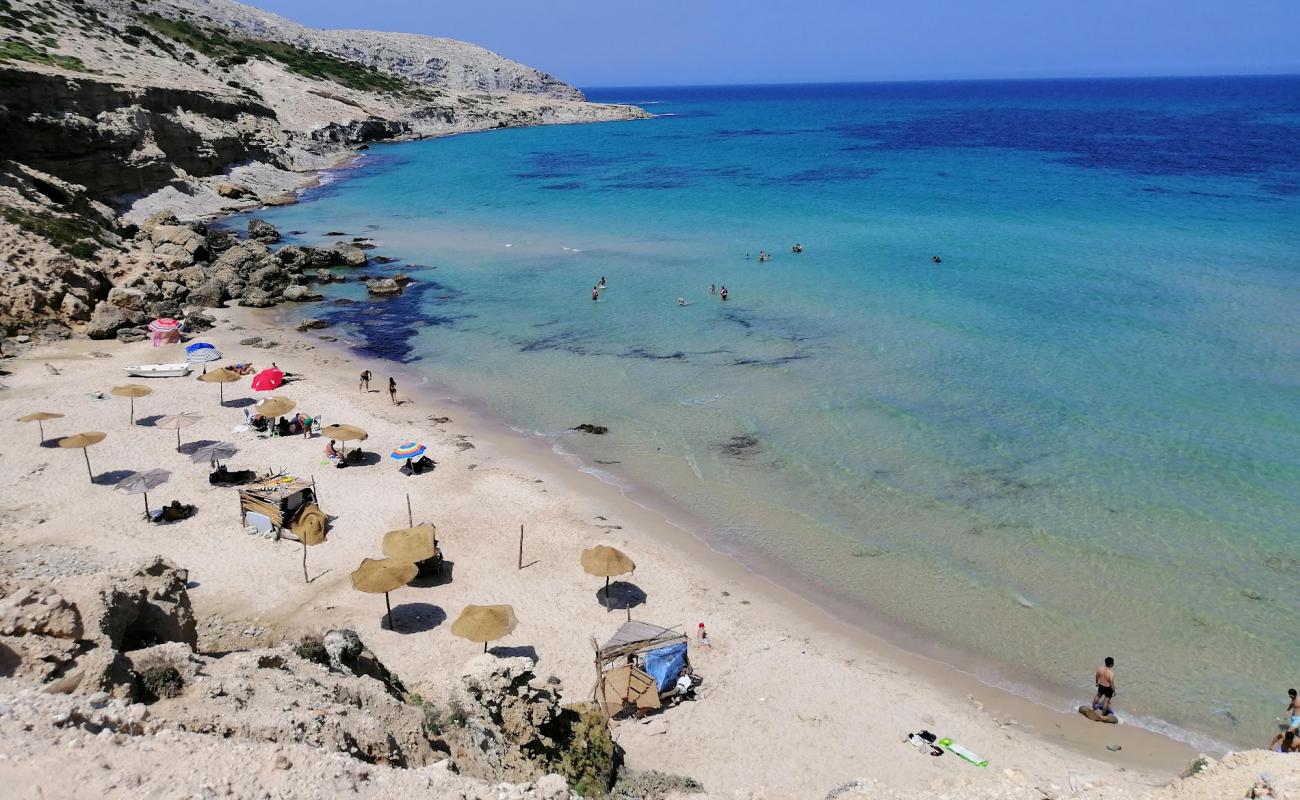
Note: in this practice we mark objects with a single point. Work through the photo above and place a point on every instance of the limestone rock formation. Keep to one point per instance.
(384, 287)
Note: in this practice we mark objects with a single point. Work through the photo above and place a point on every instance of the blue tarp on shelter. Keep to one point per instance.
(198, 346)
(665, 664)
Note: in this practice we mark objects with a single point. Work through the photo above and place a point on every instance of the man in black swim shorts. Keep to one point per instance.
(1105, 686)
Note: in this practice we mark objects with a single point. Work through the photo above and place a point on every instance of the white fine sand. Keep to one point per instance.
(793, 703)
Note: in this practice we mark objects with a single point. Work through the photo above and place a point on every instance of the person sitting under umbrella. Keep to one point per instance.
(331, 452)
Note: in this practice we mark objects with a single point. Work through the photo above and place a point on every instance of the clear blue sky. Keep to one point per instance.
(666, 42)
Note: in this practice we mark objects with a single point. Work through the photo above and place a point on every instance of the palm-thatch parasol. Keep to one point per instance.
(131, 390)
(411, 544)
(178, 421)
(143, 483)
(275, 406)
(83, 440)
(39, 418)
(605, 562)
(484, 623)
(310, 526)
(344, 433)
(220, 377)
(376, 575)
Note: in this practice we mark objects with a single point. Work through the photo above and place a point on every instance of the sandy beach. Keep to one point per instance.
(793, 702)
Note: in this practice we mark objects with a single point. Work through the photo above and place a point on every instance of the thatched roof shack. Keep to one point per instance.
(277, 497)
(622, 676)
(634, 637)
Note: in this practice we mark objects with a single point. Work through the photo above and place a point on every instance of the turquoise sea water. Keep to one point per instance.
(1077, 436)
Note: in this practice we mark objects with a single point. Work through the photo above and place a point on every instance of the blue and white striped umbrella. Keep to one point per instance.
(203, 355)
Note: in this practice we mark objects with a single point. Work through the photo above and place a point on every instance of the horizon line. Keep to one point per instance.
(871, 81)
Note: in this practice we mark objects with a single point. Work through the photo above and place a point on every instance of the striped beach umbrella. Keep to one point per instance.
(204, 355)
(408, 450)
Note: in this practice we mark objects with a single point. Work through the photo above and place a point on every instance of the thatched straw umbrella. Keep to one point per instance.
(383, 575)
(484, 623)
(605, 562)
(220, 377)
(344, 433)
(275, 406)
(39, 418)
(131, 390)
(178, 421)
(411, 544)
(83, 440)
(310, 528)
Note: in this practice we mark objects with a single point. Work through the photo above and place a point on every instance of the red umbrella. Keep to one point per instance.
(267, 379)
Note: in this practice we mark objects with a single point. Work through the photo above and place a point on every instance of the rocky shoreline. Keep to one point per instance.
(128, 124)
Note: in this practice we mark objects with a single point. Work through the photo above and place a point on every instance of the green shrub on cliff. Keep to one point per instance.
(15, 50)
(73, 235)
(229, 51)
(589, 760)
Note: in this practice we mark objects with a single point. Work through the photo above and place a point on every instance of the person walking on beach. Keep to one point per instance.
(365, 381)
(392, 390)
(1105, 679)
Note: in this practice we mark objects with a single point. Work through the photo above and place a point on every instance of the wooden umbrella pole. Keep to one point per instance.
(132, 419)
(389, 606)
(607, 606)
(86, 453)
(178, 438)
(485, 647)
(41, 425)
(521, 546)
(410, 519)
(304, 562)
(146, 503)
(221, 394)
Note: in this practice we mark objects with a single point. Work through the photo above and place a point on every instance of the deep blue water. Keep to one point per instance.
(1078, 435)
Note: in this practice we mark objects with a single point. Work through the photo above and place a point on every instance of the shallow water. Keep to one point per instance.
(1077, 436)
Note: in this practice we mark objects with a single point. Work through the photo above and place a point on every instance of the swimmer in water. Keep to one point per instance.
(601, 285)
(798, 248)
(681, 301)
(723, 292)
(595, 293)
(936, 259)
(713, 288)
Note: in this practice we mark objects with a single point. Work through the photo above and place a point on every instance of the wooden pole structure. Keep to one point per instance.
(313, 489)
(132, 420)
(304, 562)
(389, 606)
(521, 546)
(85, 453)
(41, 425)
(410, 520)
(607, 605)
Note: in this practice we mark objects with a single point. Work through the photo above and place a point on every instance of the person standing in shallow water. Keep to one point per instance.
(595, 293)
(365, 381)
(1105, 679)
(392, 390)
(723, 292)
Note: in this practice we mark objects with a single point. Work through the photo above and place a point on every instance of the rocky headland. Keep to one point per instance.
(127, 124)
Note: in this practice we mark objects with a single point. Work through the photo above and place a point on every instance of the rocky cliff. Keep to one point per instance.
(114, 110)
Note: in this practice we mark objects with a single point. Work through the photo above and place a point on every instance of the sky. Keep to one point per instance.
(700, 42)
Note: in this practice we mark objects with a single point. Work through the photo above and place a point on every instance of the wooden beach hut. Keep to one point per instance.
(279, 498)
(623, 676)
